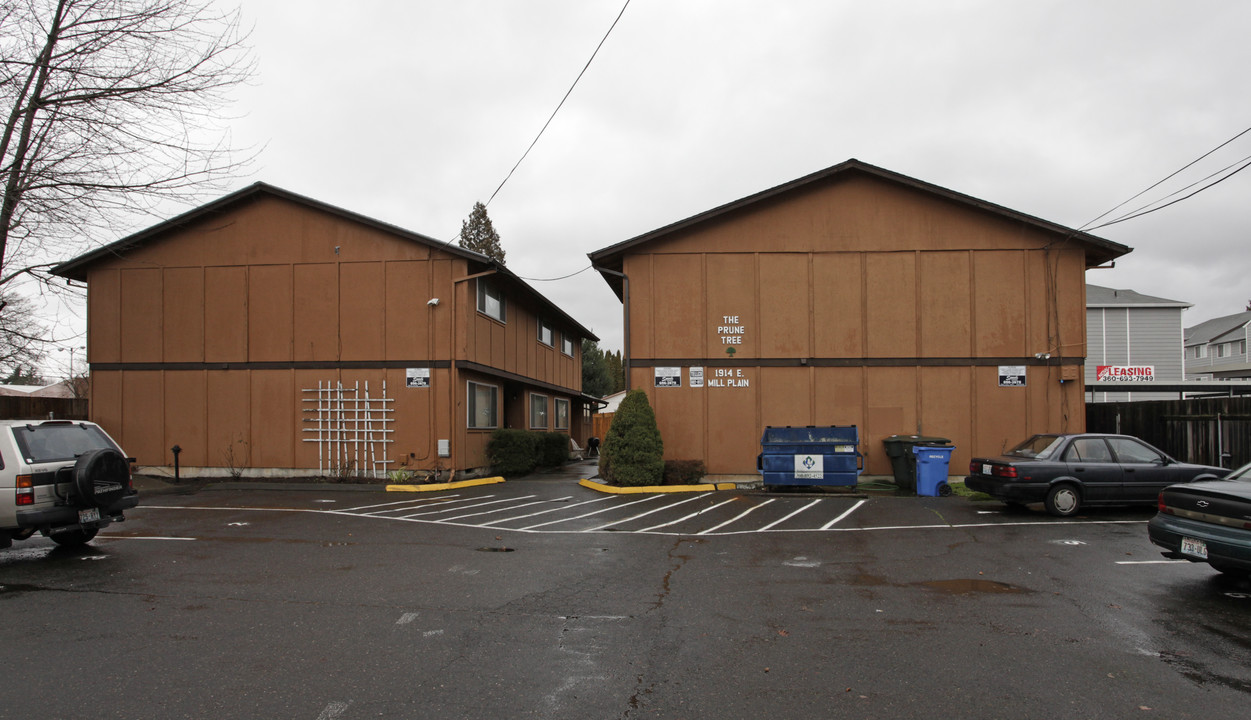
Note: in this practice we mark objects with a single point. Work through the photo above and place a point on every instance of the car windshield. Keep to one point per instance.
(58, 442)
(1039, 446)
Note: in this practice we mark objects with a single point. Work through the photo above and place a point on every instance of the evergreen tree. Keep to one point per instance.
(633, 452)
(595, 378)
(478, 234)
(616, 370)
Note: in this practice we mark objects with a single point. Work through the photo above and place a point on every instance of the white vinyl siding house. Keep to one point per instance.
(1126, 328)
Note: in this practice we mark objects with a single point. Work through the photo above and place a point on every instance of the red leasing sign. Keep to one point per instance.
(1124, 373)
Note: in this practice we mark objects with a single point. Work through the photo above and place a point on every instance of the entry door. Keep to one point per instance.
(1090, 461)
(1146, 471)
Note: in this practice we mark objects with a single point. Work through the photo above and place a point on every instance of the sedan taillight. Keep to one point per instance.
(1007, 471)
(25, 490)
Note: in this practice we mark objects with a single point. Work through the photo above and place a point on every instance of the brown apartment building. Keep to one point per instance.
(267, 333)
(855, 296)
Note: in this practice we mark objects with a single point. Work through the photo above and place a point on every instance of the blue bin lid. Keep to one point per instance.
(811, 434)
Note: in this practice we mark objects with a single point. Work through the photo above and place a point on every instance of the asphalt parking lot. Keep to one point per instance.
(541, 598)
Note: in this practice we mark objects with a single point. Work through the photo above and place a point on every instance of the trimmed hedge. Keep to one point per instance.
(633, 452)
(513, 452)
(684, 472)
(520, 452)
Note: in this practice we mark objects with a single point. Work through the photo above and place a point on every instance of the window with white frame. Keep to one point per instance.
(566, 344)
(562, 413)
(490, 300)
(483, 406)
(538, 411)
(1222, 350)
(546, 334)
(1201, 351)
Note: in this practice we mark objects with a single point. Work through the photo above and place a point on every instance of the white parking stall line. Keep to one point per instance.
(649, 498)
(779, 521)
(740, 516)
(1151, 562)
(464, 507)
(419, 505)
(649, 512)
(409, 501)
(836, 520)
(688, 517)
(543, 512)
(496, 510)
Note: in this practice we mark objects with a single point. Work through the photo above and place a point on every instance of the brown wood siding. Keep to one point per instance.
(276, 282)
(930, 296)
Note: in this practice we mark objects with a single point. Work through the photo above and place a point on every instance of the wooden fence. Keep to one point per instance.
(42, 408)
(1210, 431)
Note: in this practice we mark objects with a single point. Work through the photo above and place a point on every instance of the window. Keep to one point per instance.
(483, 406)
(538, 411)
(545, 334)
(1201, 351)
(562, 413)
(1088, 450)
(1132, 451)
(566, 344)
(1242, 347)
(1222, 350)
(490, 300)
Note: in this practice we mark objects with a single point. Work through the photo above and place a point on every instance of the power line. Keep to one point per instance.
(1088, 225)
(1245, 162)
(561, 104)
(562, 277)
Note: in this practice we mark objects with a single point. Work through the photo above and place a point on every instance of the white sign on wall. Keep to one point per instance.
(668, 377)
(1011, 376)
(696, 376)
(417, 377)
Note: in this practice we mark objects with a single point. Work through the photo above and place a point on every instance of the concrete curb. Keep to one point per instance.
(445, 486)
(656, 488)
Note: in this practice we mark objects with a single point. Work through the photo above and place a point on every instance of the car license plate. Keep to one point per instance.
(89, 515)
(1197, 548)
(986, 469)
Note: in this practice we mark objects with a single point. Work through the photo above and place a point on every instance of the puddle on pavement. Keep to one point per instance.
(495, 549)
(966, 587)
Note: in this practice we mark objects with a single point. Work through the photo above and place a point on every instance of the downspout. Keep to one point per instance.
(625, 300)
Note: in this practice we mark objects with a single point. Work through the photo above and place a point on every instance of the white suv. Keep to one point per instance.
(65, 479)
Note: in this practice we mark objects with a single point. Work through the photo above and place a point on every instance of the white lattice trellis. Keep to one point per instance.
(352, 429)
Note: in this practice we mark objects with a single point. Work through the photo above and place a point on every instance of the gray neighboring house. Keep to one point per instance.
(1126, 329)
(1217, 349)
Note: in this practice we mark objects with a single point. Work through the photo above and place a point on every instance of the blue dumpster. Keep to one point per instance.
(932, 464)
(810, 455)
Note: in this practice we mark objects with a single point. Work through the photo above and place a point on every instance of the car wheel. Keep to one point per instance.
(74, 538)
(100, 478)
(1063, 500)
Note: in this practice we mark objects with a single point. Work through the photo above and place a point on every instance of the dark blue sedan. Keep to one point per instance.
(1207, 522)
(1069, 472)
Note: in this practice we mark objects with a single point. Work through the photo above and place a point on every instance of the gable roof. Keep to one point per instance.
(1216, 328)
(1098, 250)
(77, 268)
(1098, 296)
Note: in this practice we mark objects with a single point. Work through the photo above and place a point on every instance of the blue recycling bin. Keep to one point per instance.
(932, 465)
(810, 455)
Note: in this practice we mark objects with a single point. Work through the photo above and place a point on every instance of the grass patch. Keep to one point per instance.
(958, 489)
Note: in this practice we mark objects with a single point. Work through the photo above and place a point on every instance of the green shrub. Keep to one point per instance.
(513, 452)
(553, 449)
(633, 453)
(684, 472)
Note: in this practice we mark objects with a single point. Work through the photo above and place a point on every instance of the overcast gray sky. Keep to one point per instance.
(410, 111)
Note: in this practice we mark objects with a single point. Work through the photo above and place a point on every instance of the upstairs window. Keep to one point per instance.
(546, 336)
(566, 344)
(490, 300)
